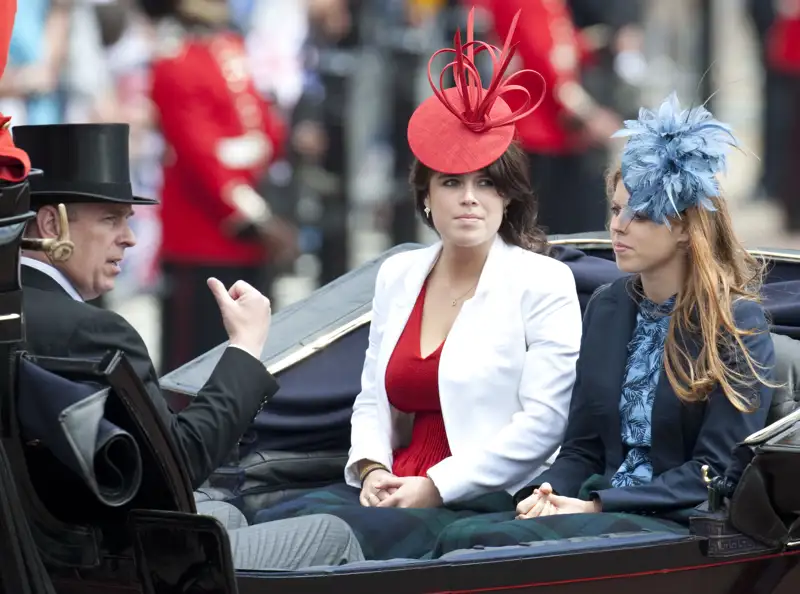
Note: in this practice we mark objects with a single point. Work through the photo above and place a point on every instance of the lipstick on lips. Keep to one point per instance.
(620, 247)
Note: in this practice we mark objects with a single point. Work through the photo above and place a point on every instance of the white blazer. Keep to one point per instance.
(505, 372)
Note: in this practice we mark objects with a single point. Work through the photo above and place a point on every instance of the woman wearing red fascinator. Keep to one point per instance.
(473, 342)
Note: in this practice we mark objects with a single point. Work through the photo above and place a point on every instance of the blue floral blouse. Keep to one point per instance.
(642, 371)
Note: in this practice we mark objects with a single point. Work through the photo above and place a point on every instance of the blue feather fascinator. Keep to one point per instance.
(671, 159)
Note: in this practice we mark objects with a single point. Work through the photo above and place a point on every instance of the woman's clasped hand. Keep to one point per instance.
(543, 502)
(372, 494)
(383, 489)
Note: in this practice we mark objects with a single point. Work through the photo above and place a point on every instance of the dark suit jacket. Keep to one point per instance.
(684, 436)
(207, 430)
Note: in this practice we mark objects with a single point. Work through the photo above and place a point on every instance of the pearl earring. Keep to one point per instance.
(427, 212)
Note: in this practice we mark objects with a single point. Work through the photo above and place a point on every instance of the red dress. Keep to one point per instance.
(412, 385)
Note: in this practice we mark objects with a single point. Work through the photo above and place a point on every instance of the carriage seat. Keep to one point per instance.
(786, 398)
(103, 392)
(263, 478)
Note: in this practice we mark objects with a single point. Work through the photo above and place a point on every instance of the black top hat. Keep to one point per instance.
(79, 163)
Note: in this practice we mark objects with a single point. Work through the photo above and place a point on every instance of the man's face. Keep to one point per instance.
(101, 235)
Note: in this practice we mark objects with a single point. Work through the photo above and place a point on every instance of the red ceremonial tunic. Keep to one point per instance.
(783, 39)
(220, 134)
(548, 43)
(412, 385)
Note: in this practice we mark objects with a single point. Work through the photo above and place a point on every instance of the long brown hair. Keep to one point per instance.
(720, 272)
(510, 175)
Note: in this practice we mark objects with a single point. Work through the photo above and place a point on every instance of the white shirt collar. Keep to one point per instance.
(53, 273)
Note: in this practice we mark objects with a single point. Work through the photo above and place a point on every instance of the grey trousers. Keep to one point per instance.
(296, 543)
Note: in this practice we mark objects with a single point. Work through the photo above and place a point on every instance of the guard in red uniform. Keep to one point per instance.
(221, 136)
(564, 136)
(783, 54)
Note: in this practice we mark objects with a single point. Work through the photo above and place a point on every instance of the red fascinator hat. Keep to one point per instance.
(468, 127)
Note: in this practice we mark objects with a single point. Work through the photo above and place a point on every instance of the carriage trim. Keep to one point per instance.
(599, 242)
(319, 344)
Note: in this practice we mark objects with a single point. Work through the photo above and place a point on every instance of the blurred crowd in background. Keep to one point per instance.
(345, 75)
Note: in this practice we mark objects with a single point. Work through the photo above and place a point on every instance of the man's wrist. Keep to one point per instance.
(247, 349)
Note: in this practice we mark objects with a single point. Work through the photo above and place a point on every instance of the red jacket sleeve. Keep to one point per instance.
(189, 127)
(547, 40)
(8, 11)
(14, 163)
(783, 45)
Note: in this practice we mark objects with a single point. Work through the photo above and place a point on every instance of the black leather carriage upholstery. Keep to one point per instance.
(786, 398)
(76, 530)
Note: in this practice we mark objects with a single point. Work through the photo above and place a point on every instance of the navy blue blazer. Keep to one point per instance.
(684, 435)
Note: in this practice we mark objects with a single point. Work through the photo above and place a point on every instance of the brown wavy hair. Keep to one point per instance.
(510, 175)
(720, 272)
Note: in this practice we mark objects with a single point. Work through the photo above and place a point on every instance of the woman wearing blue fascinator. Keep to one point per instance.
(675, 361)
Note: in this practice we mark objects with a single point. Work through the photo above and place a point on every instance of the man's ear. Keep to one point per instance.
(47, 223)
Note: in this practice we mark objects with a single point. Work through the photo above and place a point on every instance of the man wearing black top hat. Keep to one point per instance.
(85, 167)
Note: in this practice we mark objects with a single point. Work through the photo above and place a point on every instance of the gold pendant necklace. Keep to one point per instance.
(454, 302)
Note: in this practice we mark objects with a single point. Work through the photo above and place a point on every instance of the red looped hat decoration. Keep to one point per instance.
(467, 127)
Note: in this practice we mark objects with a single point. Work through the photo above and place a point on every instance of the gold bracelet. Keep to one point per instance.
(369, 468)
